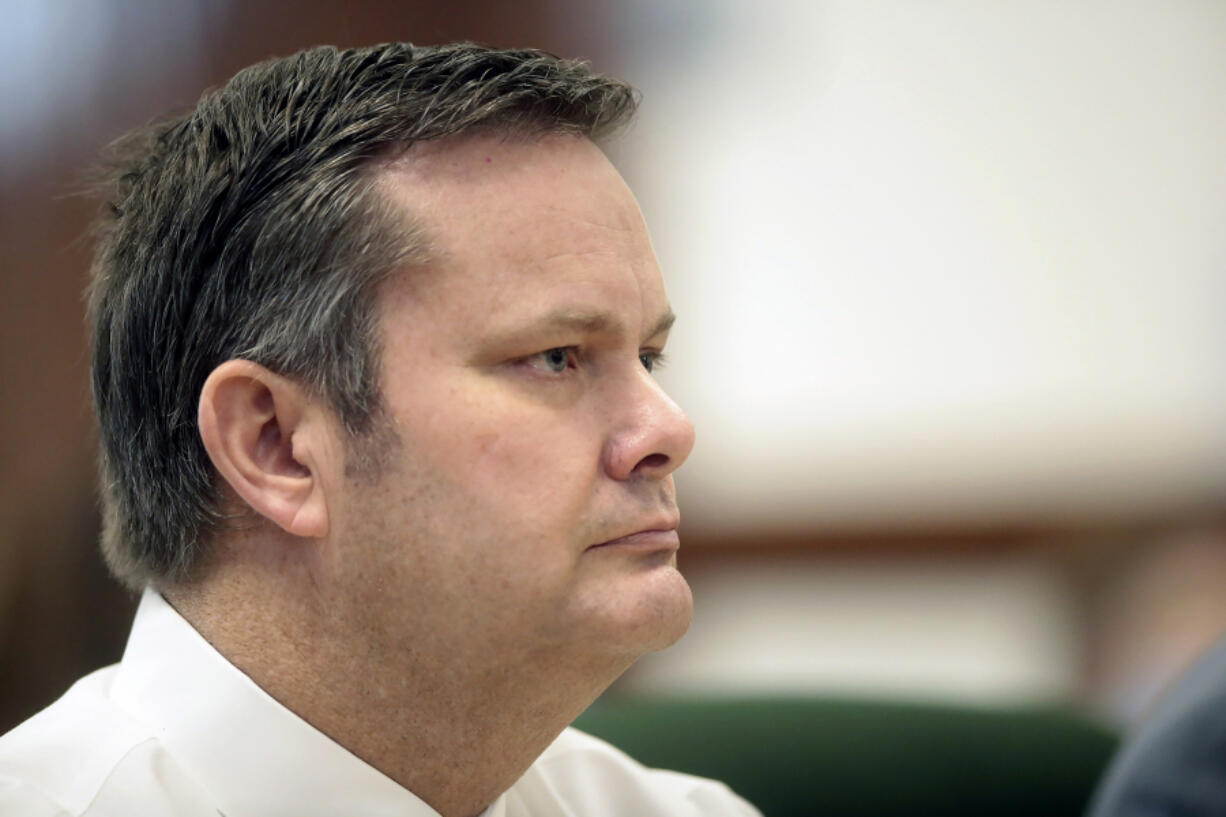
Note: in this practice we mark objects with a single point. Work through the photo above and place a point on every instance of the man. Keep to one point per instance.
(1175, 763)
(374, 333)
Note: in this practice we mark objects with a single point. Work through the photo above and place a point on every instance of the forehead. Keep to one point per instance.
(460, 188)
(524, 223)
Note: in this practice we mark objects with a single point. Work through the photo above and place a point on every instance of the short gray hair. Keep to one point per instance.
(251, 227)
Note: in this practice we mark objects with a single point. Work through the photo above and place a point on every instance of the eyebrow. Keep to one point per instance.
(664, 324)
(597, 321)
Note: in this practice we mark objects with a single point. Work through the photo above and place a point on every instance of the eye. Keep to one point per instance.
(652, 360)
(556, 360)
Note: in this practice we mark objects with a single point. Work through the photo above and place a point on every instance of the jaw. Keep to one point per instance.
(634, 611)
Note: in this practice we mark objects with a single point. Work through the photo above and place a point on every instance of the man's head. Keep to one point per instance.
(377, 328)
(255, 227)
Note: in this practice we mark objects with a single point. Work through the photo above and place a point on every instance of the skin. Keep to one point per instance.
(446, 616)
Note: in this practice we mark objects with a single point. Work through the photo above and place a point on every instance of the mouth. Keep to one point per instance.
(663, 537)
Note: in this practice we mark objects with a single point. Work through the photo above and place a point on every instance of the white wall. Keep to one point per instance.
(991, 632)
(939, 260)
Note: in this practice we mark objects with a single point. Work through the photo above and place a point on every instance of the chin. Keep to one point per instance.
(651, 615)
(675, 620)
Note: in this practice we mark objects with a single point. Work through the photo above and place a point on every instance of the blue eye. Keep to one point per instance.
(651, 360)
(560, 358)
(556, 359)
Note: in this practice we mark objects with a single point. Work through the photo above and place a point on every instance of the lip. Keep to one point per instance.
(651, 539)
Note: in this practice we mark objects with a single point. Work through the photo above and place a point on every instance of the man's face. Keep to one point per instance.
(529, 503)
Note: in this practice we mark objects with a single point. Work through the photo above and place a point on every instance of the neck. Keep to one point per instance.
(455, 726)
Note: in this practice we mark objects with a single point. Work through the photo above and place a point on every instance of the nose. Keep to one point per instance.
(651, 437)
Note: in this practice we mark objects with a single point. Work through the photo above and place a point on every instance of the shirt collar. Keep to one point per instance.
(255, 757)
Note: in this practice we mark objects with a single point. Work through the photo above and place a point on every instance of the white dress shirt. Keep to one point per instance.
(176, 729)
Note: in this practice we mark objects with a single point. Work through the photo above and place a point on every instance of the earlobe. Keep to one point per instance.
(262, 433)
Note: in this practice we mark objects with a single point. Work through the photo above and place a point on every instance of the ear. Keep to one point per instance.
(270, 441)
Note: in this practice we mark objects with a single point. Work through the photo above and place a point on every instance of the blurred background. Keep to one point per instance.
(949, 276)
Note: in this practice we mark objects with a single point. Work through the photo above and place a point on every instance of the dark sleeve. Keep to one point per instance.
(1174, 765)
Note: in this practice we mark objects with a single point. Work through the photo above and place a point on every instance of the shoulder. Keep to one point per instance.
(82, 756)
(583, 775)
(62, 755)
(1176, 760)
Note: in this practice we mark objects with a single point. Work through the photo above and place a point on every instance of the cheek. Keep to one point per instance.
(508, 468)
(538, 475)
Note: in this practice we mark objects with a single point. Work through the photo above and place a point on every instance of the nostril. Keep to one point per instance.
(653, 461)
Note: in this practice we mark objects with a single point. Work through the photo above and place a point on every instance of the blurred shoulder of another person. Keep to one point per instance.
(1175, 762)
